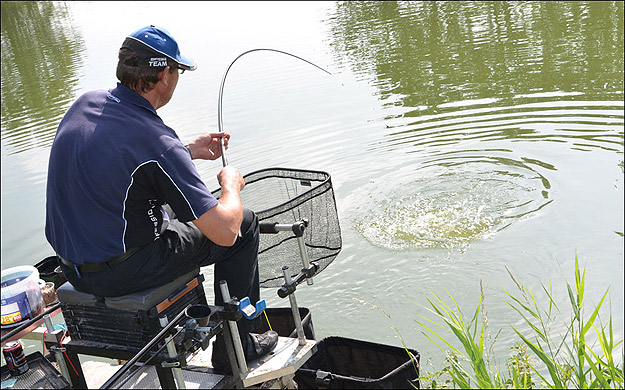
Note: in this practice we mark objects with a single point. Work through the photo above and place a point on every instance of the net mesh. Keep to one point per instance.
(286, 196)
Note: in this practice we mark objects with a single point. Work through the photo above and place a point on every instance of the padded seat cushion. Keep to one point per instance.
(141, 300)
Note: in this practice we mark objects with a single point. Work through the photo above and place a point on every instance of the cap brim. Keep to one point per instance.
(186, 63)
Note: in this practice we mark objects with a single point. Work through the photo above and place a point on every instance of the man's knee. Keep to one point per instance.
(249, 224)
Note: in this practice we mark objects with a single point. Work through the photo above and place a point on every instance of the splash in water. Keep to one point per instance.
(448, 210)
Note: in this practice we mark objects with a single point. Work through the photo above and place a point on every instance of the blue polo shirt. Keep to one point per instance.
(113, 164)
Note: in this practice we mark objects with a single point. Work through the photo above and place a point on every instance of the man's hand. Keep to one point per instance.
(221, 224)
(230, 179)
(208, 146)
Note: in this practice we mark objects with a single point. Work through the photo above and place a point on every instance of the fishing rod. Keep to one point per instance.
(221, 90)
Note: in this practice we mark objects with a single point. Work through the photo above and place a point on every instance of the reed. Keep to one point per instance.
(561, 361)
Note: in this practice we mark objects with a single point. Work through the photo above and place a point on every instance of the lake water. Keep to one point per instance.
(463, 138)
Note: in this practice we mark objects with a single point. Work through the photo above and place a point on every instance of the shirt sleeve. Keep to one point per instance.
(179, 184)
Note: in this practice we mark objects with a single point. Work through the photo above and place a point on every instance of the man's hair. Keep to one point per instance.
(138, 79)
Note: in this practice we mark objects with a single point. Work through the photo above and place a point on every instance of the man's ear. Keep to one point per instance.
(161, 75)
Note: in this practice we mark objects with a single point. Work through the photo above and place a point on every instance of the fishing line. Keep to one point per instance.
(221, 90)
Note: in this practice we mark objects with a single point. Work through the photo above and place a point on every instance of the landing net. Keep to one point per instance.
(286, 196)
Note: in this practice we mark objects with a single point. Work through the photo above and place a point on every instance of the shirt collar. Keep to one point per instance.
(124, 93)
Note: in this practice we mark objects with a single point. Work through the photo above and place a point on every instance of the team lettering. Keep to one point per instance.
(161, 61)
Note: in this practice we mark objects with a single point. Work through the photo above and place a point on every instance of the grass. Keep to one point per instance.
(542, 357)
(559, 361)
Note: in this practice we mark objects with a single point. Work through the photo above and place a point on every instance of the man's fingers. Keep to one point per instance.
(225, 137)
(220, 135)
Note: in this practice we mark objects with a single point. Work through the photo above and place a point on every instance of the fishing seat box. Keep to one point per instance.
(128, 321)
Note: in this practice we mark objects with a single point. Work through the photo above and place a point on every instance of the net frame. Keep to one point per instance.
(285, 196)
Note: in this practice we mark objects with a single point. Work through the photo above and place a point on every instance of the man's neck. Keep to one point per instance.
(153, 97)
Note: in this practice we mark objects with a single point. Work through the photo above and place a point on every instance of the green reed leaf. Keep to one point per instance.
(599, 376)
(551, 366)
(591, 320)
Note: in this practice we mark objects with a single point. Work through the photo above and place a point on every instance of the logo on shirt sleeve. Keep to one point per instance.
(113, 98)
(153, 218)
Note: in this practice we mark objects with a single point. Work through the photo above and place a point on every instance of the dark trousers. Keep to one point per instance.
(180, 249)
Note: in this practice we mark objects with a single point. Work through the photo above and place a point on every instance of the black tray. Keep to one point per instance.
(41, 374)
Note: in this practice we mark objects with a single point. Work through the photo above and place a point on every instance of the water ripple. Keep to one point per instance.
(474, 177)
(585, 125)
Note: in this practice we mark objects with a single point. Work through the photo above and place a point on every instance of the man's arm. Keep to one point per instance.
(221, 223)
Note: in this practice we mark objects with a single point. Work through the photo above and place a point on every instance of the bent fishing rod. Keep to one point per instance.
(221, 90)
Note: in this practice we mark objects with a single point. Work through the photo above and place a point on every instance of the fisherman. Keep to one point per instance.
(126, 208)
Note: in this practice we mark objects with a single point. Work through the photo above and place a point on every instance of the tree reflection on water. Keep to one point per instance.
(428, 53)
(41, 55)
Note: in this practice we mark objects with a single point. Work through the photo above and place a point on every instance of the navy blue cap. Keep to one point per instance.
(151, 43)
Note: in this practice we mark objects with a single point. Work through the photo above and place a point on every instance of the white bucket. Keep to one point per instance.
(21, 294)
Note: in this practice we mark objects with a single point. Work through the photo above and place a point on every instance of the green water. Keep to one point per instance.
(462, 137)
